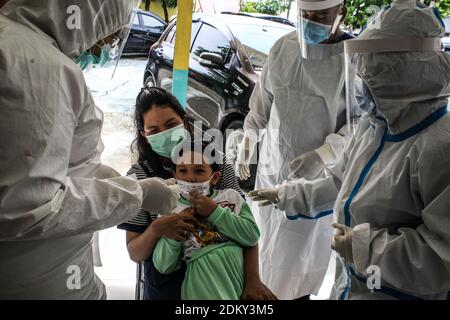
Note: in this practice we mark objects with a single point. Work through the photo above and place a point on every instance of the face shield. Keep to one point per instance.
(318, 22)
(120, 38)
(384, 72)
(109, 49)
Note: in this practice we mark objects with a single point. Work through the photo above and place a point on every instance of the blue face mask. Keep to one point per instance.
(87, 60)
(315, 32)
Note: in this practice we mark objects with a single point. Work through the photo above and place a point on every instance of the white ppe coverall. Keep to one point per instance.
(50, 148)
(300, 103)
(393, 181)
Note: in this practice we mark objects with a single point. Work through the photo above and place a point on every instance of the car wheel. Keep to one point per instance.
(230, 143)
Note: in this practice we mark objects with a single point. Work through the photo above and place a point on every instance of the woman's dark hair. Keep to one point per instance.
(148, 98)
(193, 145)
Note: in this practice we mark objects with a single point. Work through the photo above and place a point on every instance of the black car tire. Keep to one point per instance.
(246, 185)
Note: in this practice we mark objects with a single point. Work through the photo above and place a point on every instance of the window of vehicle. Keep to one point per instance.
(258, 40)
(136, 19)
(209, 39)
(173, 39)
(447, 26)
(151, 22)
(171, 36)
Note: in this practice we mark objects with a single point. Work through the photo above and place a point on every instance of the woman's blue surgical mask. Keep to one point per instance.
(87, 60)
(165, 142)
(315, 32)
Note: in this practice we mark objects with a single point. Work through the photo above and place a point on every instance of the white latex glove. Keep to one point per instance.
(342, 241)
(308, 166)
(244, 157)
(232, 146)
(170, 182)
(158, 197)
(106, 172)
(266, 196)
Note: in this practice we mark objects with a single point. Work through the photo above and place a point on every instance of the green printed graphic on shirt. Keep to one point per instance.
(207, 233)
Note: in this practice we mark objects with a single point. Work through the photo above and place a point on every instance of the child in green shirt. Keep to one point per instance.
(213, 253)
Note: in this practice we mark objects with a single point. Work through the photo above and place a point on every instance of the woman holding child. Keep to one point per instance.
(158, 118)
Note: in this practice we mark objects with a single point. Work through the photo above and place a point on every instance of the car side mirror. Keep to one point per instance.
(211, 60)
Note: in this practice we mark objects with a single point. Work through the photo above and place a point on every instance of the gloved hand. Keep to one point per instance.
(244, 156)
(158, 197)
(106, 172)
(308, 166)
(170, 182)
(342, 241)
(232, 146)
(266, 196)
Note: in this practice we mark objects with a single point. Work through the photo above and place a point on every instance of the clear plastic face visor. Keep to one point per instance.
(367, 61)
(318, 22)
(116, 42)
(121, 37)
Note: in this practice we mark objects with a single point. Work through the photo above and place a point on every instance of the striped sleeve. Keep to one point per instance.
(144, 218)
(228, 179)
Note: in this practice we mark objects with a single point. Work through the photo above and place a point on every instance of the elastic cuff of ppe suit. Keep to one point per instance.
(281, 204)
(326, 154)
(361, 247)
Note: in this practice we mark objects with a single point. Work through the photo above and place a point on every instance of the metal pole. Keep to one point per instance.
(182, 51)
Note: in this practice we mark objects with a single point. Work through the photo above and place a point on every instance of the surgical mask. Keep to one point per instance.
(87, 60)
(187, 187)
(165, 142)
(315, 32)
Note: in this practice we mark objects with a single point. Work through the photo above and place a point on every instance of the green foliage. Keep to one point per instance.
(360, 10)
(443, 7)
(272, 7)
(248, 7)
(171, 3)
(167, 3)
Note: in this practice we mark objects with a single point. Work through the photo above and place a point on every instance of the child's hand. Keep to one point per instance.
(175, 226)
(202, 205)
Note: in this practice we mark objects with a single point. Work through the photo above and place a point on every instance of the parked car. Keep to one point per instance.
(264, 16)
(228, 53)
(146, 30)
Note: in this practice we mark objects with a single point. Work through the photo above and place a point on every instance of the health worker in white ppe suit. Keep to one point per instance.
(54, 192)
(299, 103)
(392, 214)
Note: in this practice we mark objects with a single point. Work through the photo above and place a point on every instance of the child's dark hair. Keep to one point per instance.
(194, 145)
(148, 98)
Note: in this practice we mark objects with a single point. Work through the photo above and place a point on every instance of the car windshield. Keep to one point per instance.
(258, 40)
(447, 26)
